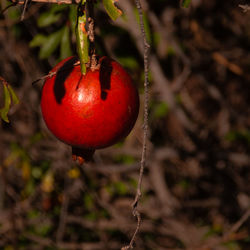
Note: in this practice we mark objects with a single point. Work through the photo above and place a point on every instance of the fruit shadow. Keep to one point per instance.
(105, 76)
(63, 73)
(61, 76)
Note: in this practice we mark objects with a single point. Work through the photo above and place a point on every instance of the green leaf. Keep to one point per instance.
(65, 49)
(82, 42)
(125, 159)
(32, 214)
(48, 18)
(14, 97)
(36, 172)
(14, 14)
(186, 3)
(51, 44)
(232, 245)
(170, 51)
(7, 100)
(73, 16)
(128, 62)
(156, 38)
(38, 40)
(111, 9)
(88, 201)
(58, 7)
(51, 16)
(43, 229)
(36, 138)
(161, 110)
(233, 136)
(120, 188)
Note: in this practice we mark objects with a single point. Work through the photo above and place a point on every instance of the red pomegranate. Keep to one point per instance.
(89, 111)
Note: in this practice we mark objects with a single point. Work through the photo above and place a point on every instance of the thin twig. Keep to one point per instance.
(44, 77)
(238, 224)
(6, 8)
(228, 235)
(47, 1)
(54, 73)
(136, 213)
(24, 9)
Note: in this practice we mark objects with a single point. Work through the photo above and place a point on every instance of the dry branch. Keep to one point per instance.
(47, 1)
(146, 48)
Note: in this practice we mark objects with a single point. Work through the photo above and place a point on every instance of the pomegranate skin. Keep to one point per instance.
(89, 111)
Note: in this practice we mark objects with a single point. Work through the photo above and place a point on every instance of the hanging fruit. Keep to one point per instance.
(90, 111)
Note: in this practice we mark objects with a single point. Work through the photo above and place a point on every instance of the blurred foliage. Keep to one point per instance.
(234, 136)
(61, 37)
(159, 110)
(186, 3)
(53, 15)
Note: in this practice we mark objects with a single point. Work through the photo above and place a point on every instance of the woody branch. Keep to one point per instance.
(47, 1)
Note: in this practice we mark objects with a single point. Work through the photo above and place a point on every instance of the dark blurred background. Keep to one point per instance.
(196, 186)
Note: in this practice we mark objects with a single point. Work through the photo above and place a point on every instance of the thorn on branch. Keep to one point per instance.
(52, 74)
